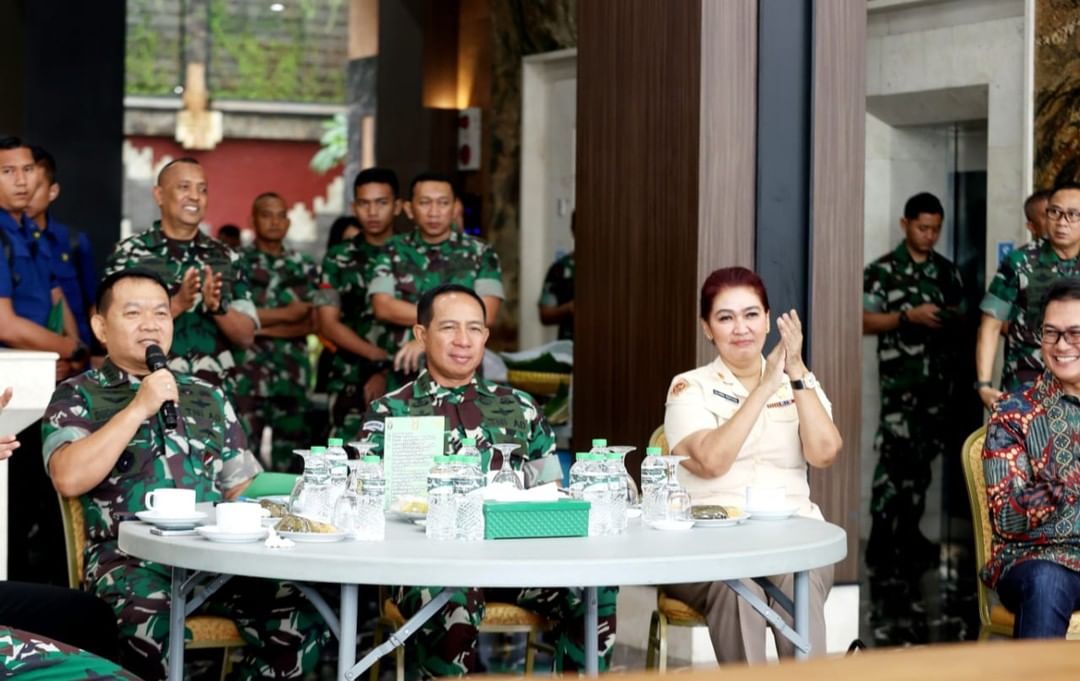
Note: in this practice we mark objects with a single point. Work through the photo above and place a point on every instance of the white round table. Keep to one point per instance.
(641, 556)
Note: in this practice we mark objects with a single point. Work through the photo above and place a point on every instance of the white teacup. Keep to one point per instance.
(238, 516)
(766, 497)
(170, 502)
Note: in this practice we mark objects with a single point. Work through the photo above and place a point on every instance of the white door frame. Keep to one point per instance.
(539, 73)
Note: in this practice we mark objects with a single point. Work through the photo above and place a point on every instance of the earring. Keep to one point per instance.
(708, 338)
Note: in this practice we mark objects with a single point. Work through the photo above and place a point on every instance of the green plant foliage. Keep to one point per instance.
(334, 144)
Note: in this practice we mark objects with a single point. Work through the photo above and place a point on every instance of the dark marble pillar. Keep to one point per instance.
(1057, 92)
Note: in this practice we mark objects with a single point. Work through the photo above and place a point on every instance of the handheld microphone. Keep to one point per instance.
(155, 359)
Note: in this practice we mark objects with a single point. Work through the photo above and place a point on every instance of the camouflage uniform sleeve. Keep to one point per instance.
(873, 289)
(489, 274)
(311, 278)
(65, 420)
(119, 259)
(547, 294)
(329, 283)
(374, 424)
(241, 300)
(238, 463)
(541, 466)
(382, 274)
(999, 301)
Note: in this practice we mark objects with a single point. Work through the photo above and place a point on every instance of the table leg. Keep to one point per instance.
(802, 612)
(350, 594)
(592, 633)
(177, 606)
(398, 637)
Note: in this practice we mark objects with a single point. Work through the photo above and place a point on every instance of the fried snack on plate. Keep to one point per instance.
(298, 523)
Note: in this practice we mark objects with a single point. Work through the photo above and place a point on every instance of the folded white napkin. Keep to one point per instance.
(276, 541)
(548, 492)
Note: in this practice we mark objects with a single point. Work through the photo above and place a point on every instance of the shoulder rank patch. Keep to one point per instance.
(680, 385)
(374, 426)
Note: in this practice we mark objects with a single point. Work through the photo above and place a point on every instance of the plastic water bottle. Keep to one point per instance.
(316, 500)
(653, 476)
(336, 458)
(442, 509)
(617, 483)
(371, 493)
(469, 491)
(589, 483)
(599, 451)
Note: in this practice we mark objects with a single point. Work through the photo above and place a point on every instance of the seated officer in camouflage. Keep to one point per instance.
(432, 254)
(452, 331)
(272, 377)
(363, 344)
(1015, 296)
(210, 301)
(106, 443)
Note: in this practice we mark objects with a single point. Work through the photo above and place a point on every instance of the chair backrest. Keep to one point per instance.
(71, 512)
(658, 439)
(975, 477)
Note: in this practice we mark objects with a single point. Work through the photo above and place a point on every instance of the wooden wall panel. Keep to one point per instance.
(837, 233)
(637, 211)
(726, 164)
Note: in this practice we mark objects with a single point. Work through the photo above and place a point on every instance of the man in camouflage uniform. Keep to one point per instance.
(452, 329)
(362, 343)
(910, 299)
(1015, 295)
(272, 377)
(557, 297)
(210, 299)
(434, 253)
(32, 656)
(106, 444)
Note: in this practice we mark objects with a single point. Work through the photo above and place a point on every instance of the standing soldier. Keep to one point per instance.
(910, 299)
(106, 443)
(272, 377)
(557, 297)
(362, 343)
(434, 253)
(210, 300)
(1015, 295)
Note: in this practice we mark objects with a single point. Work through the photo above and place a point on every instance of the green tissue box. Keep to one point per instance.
(524, 519)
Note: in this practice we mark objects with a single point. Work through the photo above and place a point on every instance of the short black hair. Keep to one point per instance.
(376, 176)
(425, 308)
(432, 176)
(170, 164)
(1064, 186)
(1029, 203)
(230, 230)
(9, 142)
(923, 202)
(337, 230)
(44, 159)
(268, 195)
(105, 288)
(1062, 289)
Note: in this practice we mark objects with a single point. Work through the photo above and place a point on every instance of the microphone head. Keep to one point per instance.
(155, 358)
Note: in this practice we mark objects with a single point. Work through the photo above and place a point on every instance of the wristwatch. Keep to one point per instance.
(807, 382)
(979, 385)
(223, 307)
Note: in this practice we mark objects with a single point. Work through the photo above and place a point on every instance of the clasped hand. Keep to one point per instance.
(786, 356)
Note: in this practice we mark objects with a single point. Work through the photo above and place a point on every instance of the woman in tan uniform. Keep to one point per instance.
(747, 420)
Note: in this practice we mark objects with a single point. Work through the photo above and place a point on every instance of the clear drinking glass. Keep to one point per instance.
(674, 499)
(347, 508)
(506, 474)
(311, 493)
(632, 497)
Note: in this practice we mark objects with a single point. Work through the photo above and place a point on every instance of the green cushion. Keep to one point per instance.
(271, 484)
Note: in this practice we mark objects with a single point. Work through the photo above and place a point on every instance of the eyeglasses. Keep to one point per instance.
(1051, 336)
(1072, 216)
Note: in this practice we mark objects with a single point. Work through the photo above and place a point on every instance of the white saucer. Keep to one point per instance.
(214, 533)
(722, 522)
(171, 522)
(671, 525)
(314, 537)
(772, 513)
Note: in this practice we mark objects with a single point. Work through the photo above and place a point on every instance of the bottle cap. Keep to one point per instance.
(318, 450)
(335, 442)
(652, 451)
(599, 442)
(468, 442)
(614, 456)
(371, 458)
